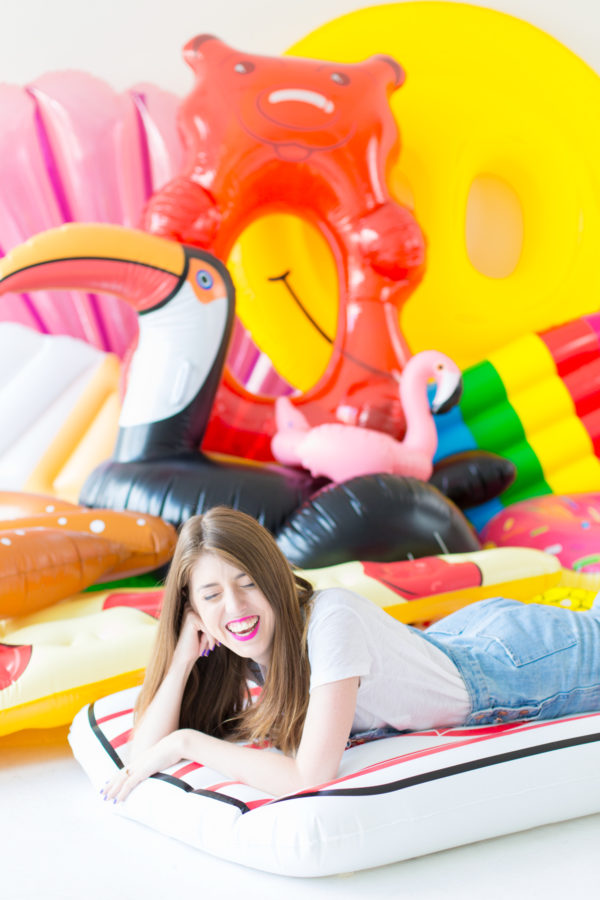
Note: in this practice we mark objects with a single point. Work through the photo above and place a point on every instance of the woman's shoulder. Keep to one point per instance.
(341, 601)
(340, 608)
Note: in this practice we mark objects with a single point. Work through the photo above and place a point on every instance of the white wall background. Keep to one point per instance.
(128, 41)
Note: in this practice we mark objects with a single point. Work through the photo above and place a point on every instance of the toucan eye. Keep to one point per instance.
(244, 67)
(204, 279)
(340, 78)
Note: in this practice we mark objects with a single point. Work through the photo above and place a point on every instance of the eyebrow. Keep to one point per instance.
(213, 584)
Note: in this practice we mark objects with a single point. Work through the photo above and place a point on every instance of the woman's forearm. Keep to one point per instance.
(317, 760)
(267, 771)
(326, 728)
(162, 715)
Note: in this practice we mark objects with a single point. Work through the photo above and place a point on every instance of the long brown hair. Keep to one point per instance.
(216, 698)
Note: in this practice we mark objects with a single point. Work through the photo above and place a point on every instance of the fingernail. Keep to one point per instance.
(115, 800)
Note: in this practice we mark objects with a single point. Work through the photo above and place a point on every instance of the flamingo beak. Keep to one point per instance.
(448, 391)
(138, 267)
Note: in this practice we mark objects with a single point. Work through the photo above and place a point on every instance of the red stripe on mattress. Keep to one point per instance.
(462, 732)
(115, 715)
(190, 767)
(254, 804)
(221, 784)
(430, 751)
(121, 739)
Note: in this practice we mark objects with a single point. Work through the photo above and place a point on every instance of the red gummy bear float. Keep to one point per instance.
(316, 139)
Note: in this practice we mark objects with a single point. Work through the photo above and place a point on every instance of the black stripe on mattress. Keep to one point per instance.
(201, 792)
(106, 745)
(447, 772)
(160, 776)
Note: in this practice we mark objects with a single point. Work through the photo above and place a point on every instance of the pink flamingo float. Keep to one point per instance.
(345, 451)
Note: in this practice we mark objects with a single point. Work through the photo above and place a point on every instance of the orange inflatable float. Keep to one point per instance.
(50, 549)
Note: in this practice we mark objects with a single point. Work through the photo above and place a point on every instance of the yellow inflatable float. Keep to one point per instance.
(500, 162)
(55, 660)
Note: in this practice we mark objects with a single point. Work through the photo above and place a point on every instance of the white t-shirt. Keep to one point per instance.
(405, 681)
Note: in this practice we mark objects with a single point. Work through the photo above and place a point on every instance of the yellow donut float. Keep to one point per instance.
(501, 163)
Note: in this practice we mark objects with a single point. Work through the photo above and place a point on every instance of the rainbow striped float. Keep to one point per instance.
(535, 401)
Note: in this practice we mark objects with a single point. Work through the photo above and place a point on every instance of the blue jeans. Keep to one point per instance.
(523, 660)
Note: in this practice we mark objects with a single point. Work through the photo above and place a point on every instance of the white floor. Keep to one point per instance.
(59, 842)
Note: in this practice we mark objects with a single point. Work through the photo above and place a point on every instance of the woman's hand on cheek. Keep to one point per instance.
(208, 643)
(193, 640)
(160, 756)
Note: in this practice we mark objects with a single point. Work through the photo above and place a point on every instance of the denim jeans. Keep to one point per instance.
(523, 660)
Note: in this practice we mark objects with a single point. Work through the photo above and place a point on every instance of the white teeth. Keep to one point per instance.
(243, 626)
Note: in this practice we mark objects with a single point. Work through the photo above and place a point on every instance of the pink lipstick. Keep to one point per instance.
(245, 635)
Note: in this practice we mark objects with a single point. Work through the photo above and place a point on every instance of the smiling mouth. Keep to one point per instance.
(244, 629)
(291, 95)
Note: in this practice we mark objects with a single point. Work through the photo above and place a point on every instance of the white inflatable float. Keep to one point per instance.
(59, 408)
(396, 797)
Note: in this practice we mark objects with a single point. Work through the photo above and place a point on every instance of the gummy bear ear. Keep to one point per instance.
(398, 71)
(194, 52)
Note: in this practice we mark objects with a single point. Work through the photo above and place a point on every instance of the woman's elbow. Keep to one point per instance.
(312, 777)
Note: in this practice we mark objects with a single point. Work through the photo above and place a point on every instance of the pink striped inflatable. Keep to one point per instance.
(86, 154)
(90, 154)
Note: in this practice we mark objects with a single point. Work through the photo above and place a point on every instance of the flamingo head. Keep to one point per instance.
(448, 382)
(432, 365)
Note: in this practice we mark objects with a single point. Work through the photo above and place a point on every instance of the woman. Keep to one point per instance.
(330, 664)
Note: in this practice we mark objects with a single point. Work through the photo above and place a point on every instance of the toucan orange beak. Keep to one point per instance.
(140, 268)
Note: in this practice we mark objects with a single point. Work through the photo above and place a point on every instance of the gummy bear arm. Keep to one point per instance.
(391, 240)
(183, 211)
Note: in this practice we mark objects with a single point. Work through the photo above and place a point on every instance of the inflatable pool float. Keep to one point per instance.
(478, 118)
(184, 298)
(315, 139)
(81, 648)
(71, 653)
(68, 424)
(73, 167)
(394, 798)
(535, 401)
(49, 549)
(77, 167)
(567, 527)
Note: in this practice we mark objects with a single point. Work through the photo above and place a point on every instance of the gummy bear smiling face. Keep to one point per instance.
(296, 106)
(297, 120)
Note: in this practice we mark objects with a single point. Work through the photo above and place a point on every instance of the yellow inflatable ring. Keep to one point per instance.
(487, 96)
